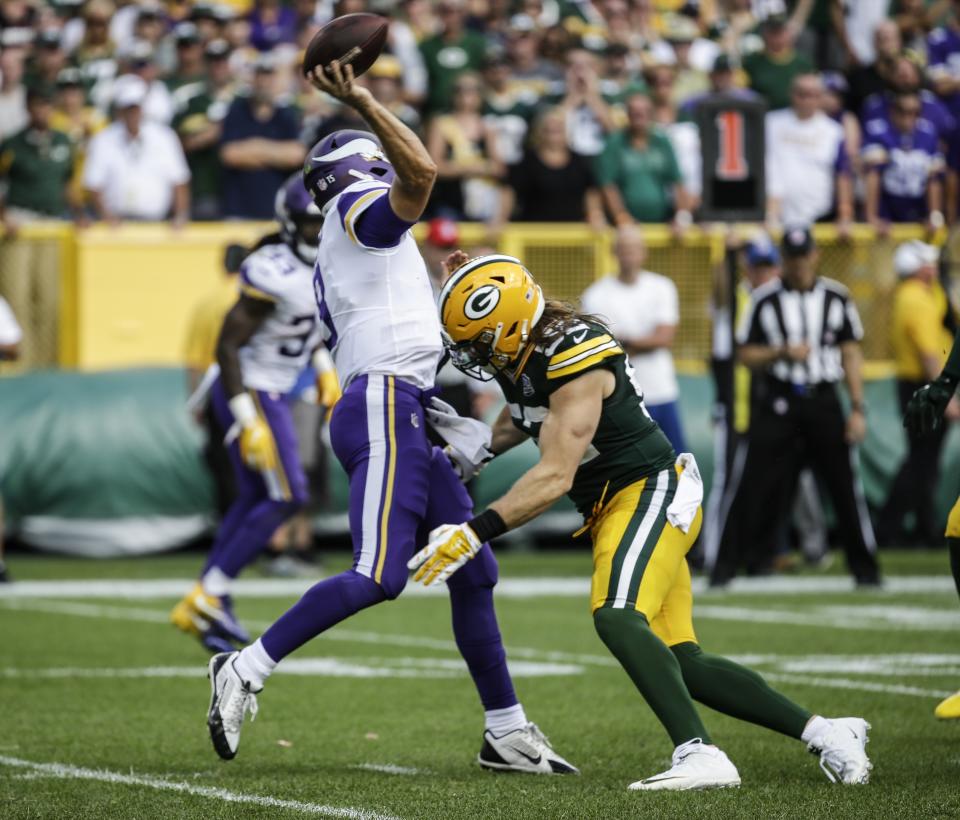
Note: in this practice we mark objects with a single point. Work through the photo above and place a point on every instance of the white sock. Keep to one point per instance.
(254, 665)
(215, 583)
(815, 726)
(501, 721)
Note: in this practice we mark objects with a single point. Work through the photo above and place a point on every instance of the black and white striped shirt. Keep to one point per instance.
(823, 317)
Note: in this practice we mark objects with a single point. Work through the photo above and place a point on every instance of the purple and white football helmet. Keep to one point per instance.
(341, 159)
(299, 218)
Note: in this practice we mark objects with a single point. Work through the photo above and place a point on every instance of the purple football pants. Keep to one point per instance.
(400, 489)
(264, 499)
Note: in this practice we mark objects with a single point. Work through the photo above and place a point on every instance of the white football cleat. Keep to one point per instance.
(231, 698)
(522, 750)
(695, 765)
(842, 750)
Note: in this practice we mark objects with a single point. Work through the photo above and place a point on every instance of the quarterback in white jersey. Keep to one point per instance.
(376, 303)
(265, 343)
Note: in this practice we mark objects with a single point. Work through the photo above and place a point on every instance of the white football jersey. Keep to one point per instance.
(277, 353)
(376, 303)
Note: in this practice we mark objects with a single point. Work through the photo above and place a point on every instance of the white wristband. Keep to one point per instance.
(243, 410)
(322, 361)
(936, 219)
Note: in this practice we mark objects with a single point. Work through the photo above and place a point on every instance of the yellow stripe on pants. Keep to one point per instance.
(391, 470)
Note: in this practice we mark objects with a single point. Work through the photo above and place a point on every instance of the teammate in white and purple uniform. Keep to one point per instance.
(265, 343)
(376, 303)
(904, 165)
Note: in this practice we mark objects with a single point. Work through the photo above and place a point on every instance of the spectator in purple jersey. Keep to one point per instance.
(907, 78)
(272, 24)
(904, 168)
(943, 60)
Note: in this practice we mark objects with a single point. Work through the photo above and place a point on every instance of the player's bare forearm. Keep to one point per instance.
(565, 435)
(416, 171)
(851, 358)
(505, 435)
(240, 323)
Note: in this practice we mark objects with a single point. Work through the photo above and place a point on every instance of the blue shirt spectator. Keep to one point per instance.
(258, 147)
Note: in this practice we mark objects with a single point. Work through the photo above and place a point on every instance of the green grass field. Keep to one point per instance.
(102, 703)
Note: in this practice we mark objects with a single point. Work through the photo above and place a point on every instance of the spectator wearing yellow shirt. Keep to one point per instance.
(203, 331)
(920, 343)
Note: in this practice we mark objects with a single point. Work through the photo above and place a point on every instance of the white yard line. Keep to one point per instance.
(870, 618)
(339, 634)
(858, 685)
(380, 667)
(389, 768)
(67, 772)
(515, 588)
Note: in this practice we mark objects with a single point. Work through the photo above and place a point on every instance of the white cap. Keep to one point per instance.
(129, 90)
(913, 255)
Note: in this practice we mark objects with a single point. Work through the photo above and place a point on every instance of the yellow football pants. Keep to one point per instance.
(639, 558)
(953, 522)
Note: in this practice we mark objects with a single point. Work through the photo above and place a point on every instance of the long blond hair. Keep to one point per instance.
(558, 317)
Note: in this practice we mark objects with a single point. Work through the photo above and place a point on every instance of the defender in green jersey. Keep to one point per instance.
(568, 385)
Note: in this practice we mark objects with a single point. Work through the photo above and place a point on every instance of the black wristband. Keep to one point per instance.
(488, 525)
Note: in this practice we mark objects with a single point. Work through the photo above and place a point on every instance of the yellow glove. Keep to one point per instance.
(328, 382)
(328, 389)
(257, 447)
(449, 548)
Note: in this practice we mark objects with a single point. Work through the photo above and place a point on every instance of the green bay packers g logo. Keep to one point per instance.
(482, 301)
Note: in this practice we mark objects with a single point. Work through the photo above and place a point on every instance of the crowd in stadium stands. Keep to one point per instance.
(545, 110)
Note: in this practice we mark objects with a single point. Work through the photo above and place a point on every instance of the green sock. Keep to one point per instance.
(653, 669)
(737, 691)
(953, 544)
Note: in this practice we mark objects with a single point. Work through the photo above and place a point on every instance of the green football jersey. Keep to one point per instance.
(628, 444)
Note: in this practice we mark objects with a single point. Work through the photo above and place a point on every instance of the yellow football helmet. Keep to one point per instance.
(488, 307)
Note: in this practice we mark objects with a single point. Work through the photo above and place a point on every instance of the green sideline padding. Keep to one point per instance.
(109, 463)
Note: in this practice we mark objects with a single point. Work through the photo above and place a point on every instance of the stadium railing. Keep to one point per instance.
(118, 297)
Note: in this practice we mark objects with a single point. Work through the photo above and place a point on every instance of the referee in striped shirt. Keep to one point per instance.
(800, 338)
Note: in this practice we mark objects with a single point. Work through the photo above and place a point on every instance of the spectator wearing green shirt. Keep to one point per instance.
(36, 164)
(638, 172)
(449, 54)
(200, 110)
(773, 69)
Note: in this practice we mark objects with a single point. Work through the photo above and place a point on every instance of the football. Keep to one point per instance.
(356, 39)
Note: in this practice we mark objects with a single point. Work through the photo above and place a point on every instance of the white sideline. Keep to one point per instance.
(67, 772)
(515, 588)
